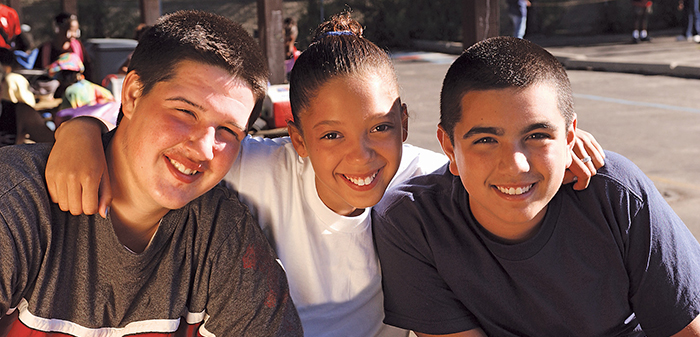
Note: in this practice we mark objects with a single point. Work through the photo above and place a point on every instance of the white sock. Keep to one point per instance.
(643, 34)
(635, 34)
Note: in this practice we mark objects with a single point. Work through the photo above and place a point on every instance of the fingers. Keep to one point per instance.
(105, 196)
(583, 158)
(586, 158)
(591, 147)
(84, 196)
(579, 172)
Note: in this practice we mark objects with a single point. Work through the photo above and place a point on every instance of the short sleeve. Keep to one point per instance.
(416, 297)
(248, 291)
(23, 210)
(664, 268)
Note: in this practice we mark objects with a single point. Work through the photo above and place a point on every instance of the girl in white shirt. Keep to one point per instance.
(312, 192)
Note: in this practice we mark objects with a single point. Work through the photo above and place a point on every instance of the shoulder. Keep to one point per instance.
(24, 200)
(254, 145)
(218, 205)
(423, 191)
(19, 163)
(273, 154)
(624, 175)
(417, 161)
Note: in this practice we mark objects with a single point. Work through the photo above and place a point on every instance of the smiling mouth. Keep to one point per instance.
(182, 169)
(514, 191)
(362, 181)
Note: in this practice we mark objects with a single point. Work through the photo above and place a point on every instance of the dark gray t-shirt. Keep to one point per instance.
(207, 263)
(604, 261)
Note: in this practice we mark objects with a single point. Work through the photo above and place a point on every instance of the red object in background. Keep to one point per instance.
(282, 112)
(276, 109)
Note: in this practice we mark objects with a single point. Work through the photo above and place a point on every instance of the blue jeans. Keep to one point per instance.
(693, 18)
(519, 23)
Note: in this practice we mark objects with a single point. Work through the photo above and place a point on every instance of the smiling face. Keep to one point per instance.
(180, 139)
(352, 132)
(511, 149)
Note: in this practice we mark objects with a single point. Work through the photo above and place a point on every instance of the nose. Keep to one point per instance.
(202, 144)
(360, 151)
(514, 160)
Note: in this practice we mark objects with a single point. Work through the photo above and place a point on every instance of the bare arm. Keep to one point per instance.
(586, 145)
(76, 172)
(471, 333)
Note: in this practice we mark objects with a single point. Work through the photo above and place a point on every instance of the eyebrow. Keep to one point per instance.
(483, 129)
(186, 101)
(195, 105)
(331, 123)
(500, 132)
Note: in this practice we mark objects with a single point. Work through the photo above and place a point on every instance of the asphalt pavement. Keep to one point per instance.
(663, 55)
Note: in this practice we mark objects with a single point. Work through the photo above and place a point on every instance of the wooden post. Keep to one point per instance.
(480, 20)
(17, 6)
(69, 6)
(150, 11)
(271, 35)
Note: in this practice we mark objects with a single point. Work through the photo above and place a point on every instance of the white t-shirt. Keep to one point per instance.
(332, 268)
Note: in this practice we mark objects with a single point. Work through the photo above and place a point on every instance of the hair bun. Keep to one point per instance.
(337, 25)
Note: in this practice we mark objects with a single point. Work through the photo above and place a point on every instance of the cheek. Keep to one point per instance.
(226, 154)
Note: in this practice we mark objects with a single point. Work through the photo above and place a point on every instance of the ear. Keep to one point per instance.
(131, 91)
(404, 122)
(571, 138)
(448, 148)
(297, 139)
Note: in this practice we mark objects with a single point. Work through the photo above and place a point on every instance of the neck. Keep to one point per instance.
(508, 232)
(134, 222)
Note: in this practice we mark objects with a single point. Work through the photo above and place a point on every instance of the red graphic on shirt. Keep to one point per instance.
(249, 258)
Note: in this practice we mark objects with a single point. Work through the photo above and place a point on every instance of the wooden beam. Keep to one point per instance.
(69, 6)
(271, 35)
(150, 11)
(480, 20)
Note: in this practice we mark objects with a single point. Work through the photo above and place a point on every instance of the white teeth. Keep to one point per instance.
(360, 181)
(514, 191)
(182, 168)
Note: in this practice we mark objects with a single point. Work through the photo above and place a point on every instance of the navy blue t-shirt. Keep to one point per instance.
(609, 260)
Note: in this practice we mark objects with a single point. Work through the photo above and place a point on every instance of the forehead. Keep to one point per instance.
(511, 105)
(366, 90)
(209, 87)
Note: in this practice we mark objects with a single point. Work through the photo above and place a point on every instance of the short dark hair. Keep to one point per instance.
(201, 37)
(499, 63)
(338, 49)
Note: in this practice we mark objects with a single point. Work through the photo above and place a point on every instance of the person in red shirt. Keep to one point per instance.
(10, 26)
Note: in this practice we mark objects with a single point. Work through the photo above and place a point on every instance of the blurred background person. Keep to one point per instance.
(74, 89)
(642, 9)
(9, 20)
(691, 11)
(25, 51)
(517, 11)
(290, 50)
(65, 40)
(20, 123)
(15, 87)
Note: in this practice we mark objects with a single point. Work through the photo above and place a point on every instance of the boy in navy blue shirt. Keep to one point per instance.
(493, 244)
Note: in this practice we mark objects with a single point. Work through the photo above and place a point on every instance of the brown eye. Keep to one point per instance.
(330, 135)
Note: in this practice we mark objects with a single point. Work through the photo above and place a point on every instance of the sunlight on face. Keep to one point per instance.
(352, 133)
(511, 149)
(184, 135)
